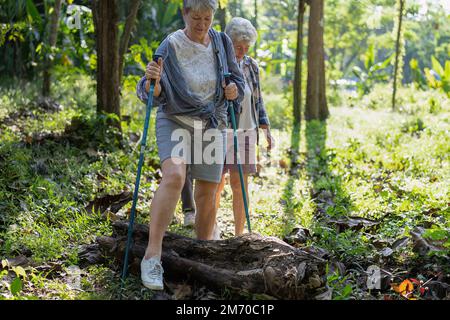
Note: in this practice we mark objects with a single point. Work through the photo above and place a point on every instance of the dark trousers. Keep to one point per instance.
(187, 194)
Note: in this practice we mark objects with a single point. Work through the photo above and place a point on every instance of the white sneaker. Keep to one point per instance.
(189, 218)
(152, 274)
(216, 232)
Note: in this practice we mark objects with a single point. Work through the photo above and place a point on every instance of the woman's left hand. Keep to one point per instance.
(231, 91)
(270, 139)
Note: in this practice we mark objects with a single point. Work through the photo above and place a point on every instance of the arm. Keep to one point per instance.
(233, 68)
(264, 122)
(262, 114)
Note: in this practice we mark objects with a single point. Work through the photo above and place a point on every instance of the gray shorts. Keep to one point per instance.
(204, 151)
(247, 152)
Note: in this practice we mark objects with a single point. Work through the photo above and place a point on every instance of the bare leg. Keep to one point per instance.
(219, 192)
(205, 193)
(164, 204)
(238, 203)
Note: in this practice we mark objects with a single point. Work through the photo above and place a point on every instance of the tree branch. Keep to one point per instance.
(125, 39)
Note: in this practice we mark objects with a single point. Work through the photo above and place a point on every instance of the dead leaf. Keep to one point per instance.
(112, 202)
(182, 292)
(91, 152)
(422, 245)
(327, 295)
(400, 243)
(298, 236)
(354, 223)
(29, 139)
(404, 288)
(110, 215)
(386, 252)
(19, 261)
(283, 163)
(134, 137)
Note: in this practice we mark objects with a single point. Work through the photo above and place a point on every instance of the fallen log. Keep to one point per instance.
(246, 265)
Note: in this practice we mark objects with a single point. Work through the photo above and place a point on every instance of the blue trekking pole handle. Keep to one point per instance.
(236, 151)
(138, 175)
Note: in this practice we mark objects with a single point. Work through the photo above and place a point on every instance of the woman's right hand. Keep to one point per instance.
(154, 71)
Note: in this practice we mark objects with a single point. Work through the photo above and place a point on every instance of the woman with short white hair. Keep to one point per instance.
(189, 90)
(253, 116)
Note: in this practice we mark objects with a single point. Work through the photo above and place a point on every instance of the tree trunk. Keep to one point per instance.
(221, 14)
(316, 102)
(250, 264)
(106, 19)
(298, 64)
(256, 14)
(125, 39)
(53, 36)
(398, 50)
(255, 24)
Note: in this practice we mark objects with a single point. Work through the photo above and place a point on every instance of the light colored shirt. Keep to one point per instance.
(246, 118)
(198, 66)
(175, 97)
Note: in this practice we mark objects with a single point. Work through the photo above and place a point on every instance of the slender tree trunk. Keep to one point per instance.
(298, 64)
(106, 19)
(221, 14)
(53, 36)
(125, 39)
(316, 102)
(255, 24)
(256, 13)
(398, 50)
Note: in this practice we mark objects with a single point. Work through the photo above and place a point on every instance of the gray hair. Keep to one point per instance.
(200, 5)
(240, 29)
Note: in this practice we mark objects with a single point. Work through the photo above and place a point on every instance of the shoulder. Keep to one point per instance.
(221, 37)
(174, 37)
(169, 41)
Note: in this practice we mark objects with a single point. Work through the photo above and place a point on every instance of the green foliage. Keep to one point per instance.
(439, 76)
(338, 283)
(414, 126)
(279, 114)
(44, 185)
(417, 77)
(373, 72)
(16, 285)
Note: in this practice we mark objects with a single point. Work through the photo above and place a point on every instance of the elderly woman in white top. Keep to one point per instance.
(190, 92)
(253, 116)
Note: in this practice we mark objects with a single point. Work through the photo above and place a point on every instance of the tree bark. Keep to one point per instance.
(125, 39)
(53, 36)
(397, 50)
(106, 19)
(250, 264)
(298, 64)
(316, 102)
(221, 14)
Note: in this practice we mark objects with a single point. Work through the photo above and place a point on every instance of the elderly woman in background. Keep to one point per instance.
(190, 91)
(253, 116)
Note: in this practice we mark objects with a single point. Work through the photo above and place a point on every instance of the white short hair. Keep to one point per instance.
(200, 5)
(240, 29)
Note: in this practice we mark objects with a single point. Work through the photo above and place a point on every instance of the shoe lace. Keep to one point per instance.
(155, 270)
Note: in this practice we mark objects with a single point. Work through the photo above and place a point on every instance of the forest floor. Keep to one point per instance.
(369, 187)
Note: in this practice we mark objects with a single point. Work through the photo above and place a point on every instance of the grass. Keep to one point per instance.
(365, 161)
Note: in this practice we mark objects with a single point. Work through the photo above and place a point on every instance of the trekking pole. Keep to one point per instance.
(236, 151)
(138, 176)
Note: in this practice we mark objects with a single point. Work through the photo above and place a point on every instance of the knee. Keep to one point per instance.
(174, 179)
(206, 191)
